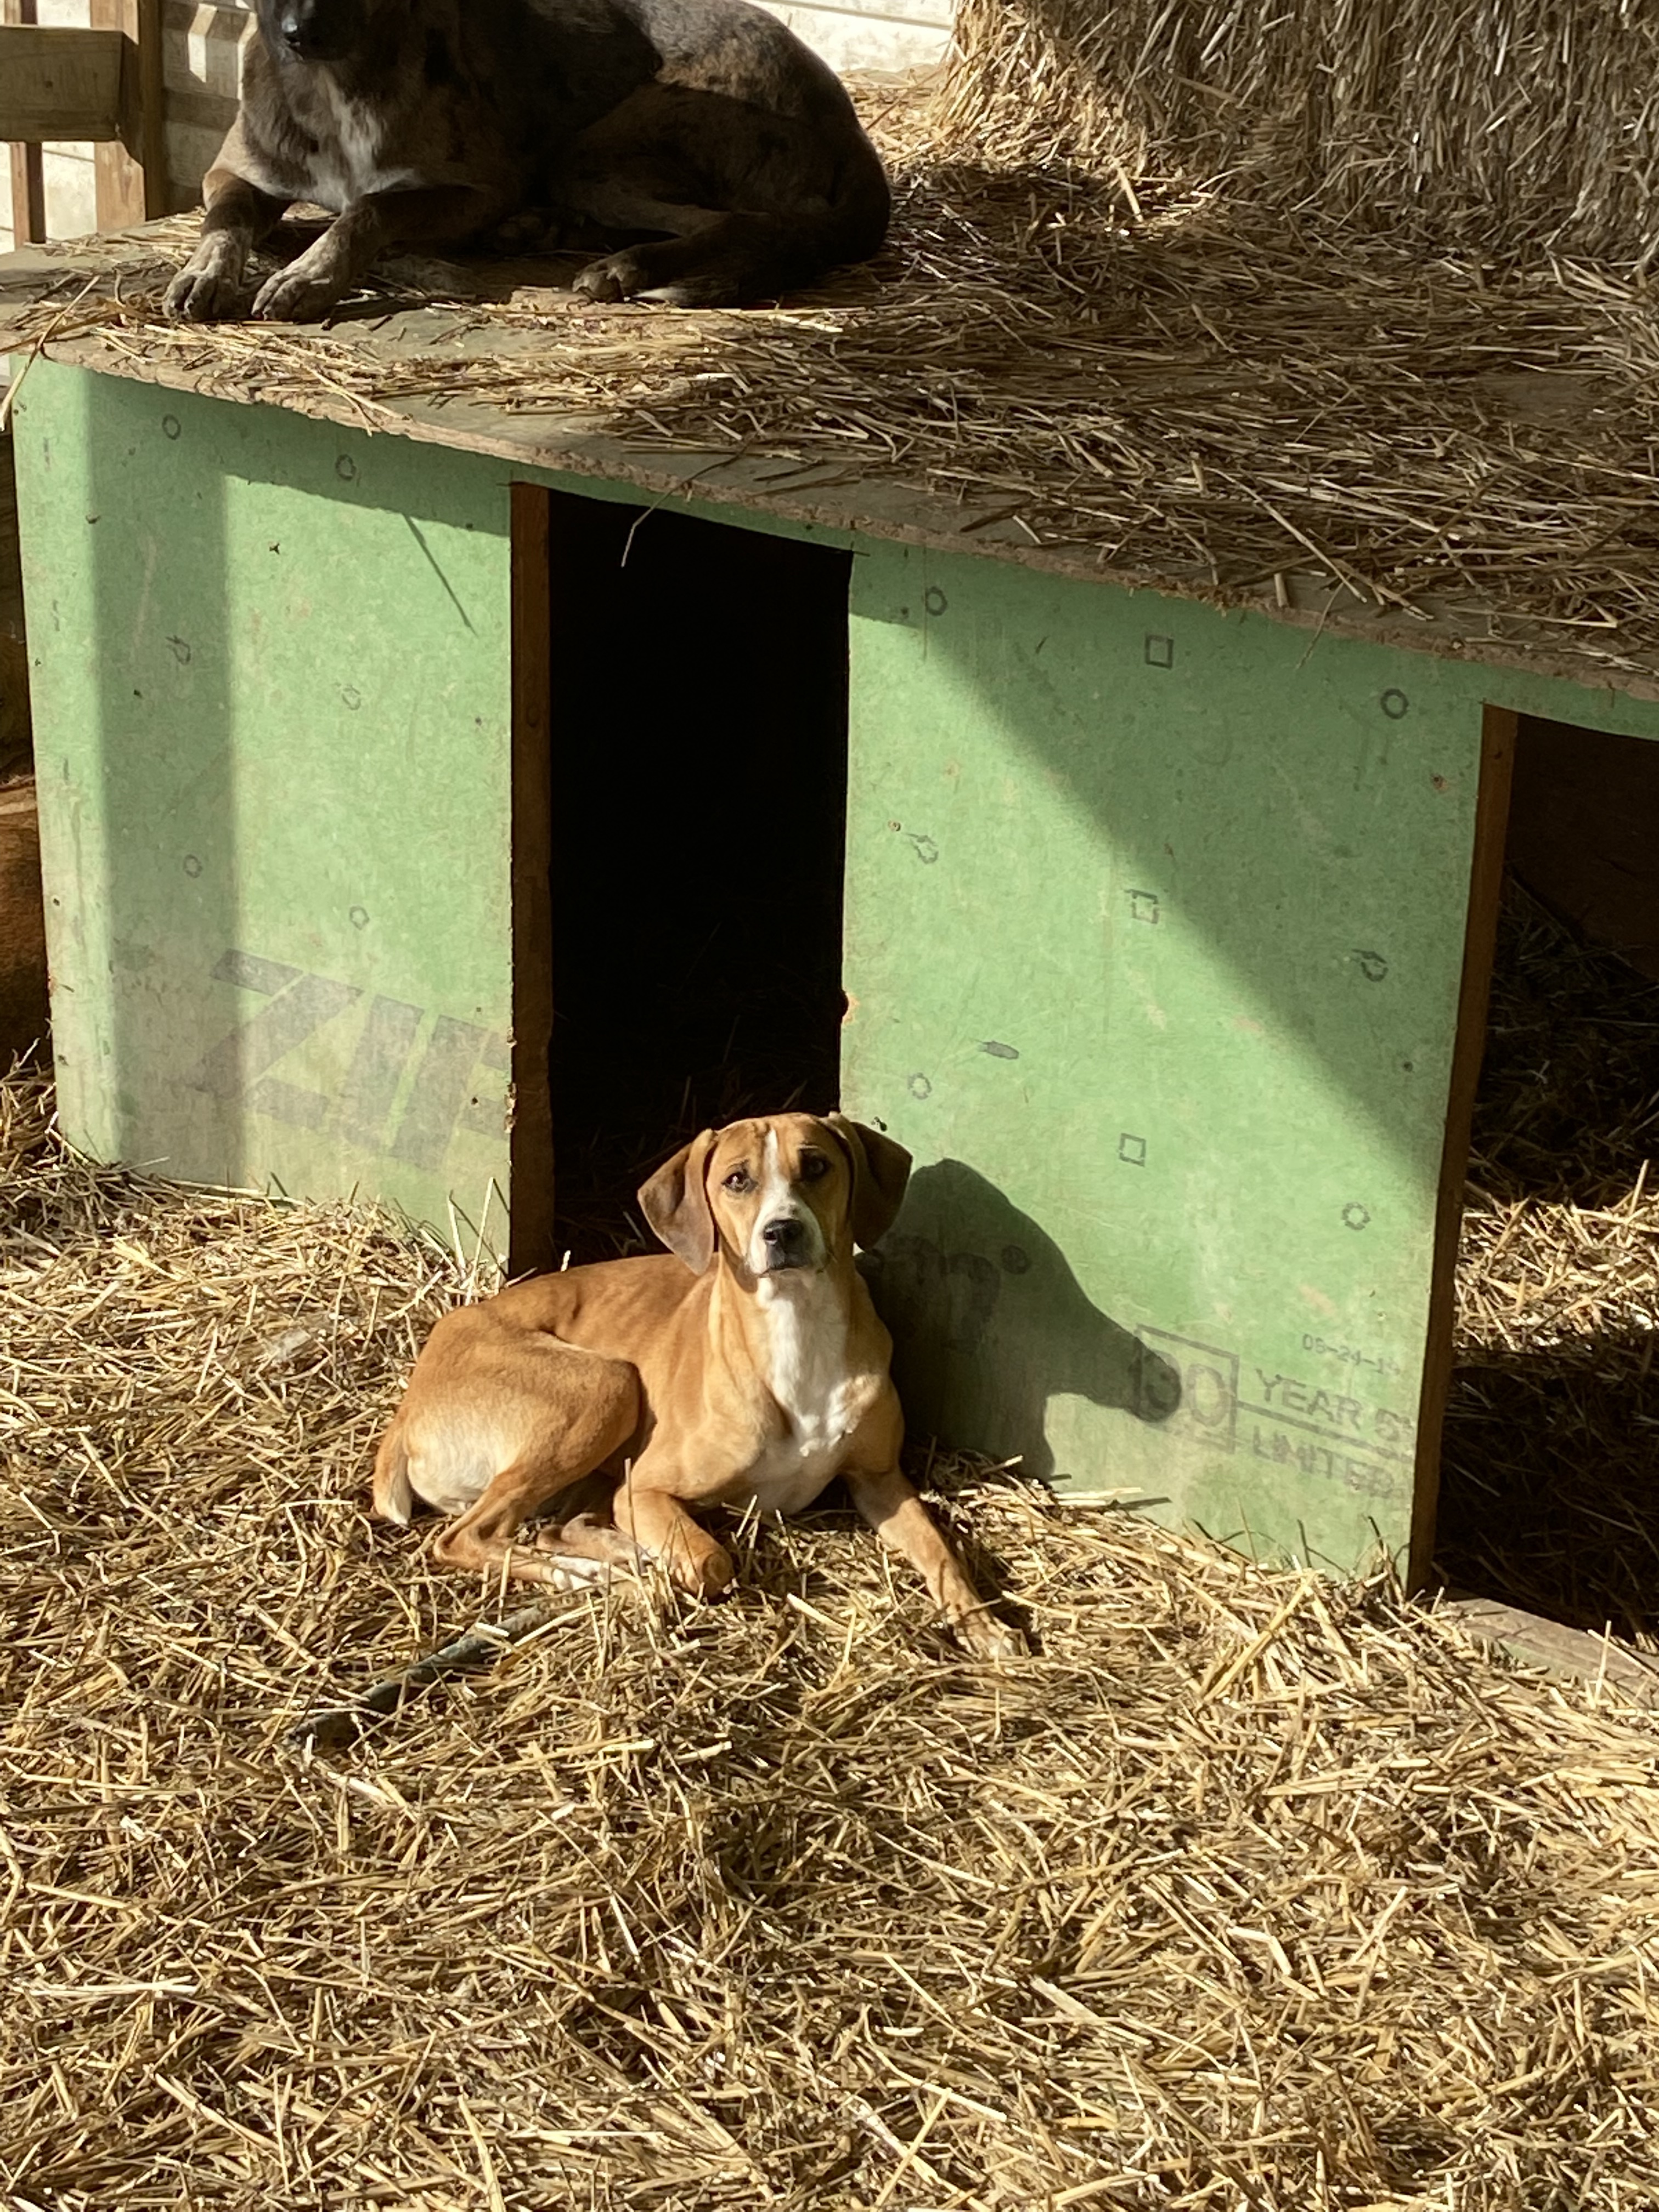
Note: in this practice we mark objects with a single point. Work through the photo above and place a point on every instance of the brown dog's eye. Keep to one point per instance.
(737, 1181)
(812, 1166)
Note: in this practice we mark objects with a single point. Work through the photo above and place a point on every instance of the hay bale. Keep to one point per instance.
(1506, 128)
(1250, 1890)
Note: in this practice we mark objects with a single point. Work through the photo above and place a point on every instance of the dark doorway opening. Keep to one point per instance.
(1549, 1495)
(696, 742)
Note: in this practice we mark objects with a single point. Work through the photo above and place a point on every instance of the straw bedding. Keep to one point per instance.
(1179, 384)
(1250, 1890)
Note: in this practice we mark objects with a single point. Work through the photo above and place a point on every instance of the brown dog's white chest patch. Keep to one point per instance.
(803, 1364)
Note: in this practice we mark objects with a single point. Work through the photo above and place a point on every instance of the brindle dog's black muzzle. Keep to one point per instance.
(319, 30)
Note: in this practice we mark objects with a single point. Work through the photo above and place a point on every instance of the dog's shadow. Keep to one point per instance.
(990, 1324)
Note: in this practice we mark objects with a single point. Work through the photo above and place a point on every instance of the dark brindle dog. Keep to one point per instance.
(701, 125)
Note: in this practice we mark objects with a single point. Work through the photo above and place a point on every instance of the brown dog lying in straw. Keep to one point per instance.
(700, 125)
(744, 1367)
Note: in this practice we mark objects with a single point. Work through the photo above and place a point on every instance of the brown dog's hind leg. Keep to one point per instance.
(483, 1539)
(574, 1438)
(585, 1536)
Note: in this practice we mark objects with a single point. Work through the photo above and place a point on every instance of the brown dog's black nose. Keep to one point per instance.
(784, 1237)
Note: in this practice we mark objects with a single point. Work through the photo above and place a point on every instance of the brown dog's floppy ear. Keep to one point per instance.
(880, 1170)
(677, 1205)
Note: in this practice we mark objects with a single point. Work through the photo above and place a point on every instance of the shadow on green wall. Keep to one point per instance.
(973, 1290)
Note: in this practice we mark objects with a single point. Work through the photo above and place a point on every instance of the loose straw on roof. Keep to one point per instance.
(1184, 388)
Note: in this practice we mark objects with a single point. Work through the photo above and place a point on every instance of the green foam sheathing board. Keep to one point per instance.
(271, 685)
(1156, 920)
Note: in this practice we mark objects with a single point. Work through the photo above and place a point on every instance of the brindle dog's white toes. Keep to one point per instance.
(616, 277)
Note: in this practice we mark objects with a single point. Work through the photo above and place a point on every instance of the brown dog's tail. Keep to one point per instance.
(393, 1494)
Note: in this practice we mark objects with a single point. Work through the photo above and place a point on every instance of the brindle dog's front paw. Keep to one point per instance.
(619, 276)
(298, 294)
(710, 1576)
(208, 293)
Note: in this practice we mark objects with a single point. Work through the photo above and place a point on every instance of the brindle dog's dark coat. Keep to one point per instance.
(431, 123)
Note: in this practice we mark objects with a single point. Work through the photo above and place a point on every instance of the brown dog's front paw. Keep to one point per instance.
(988, 1637)
(705, 1574)
(617, 277)
(712, 1577)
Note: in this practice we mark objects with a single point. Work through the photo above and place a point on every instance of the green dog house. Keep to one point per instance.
(392, 785)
